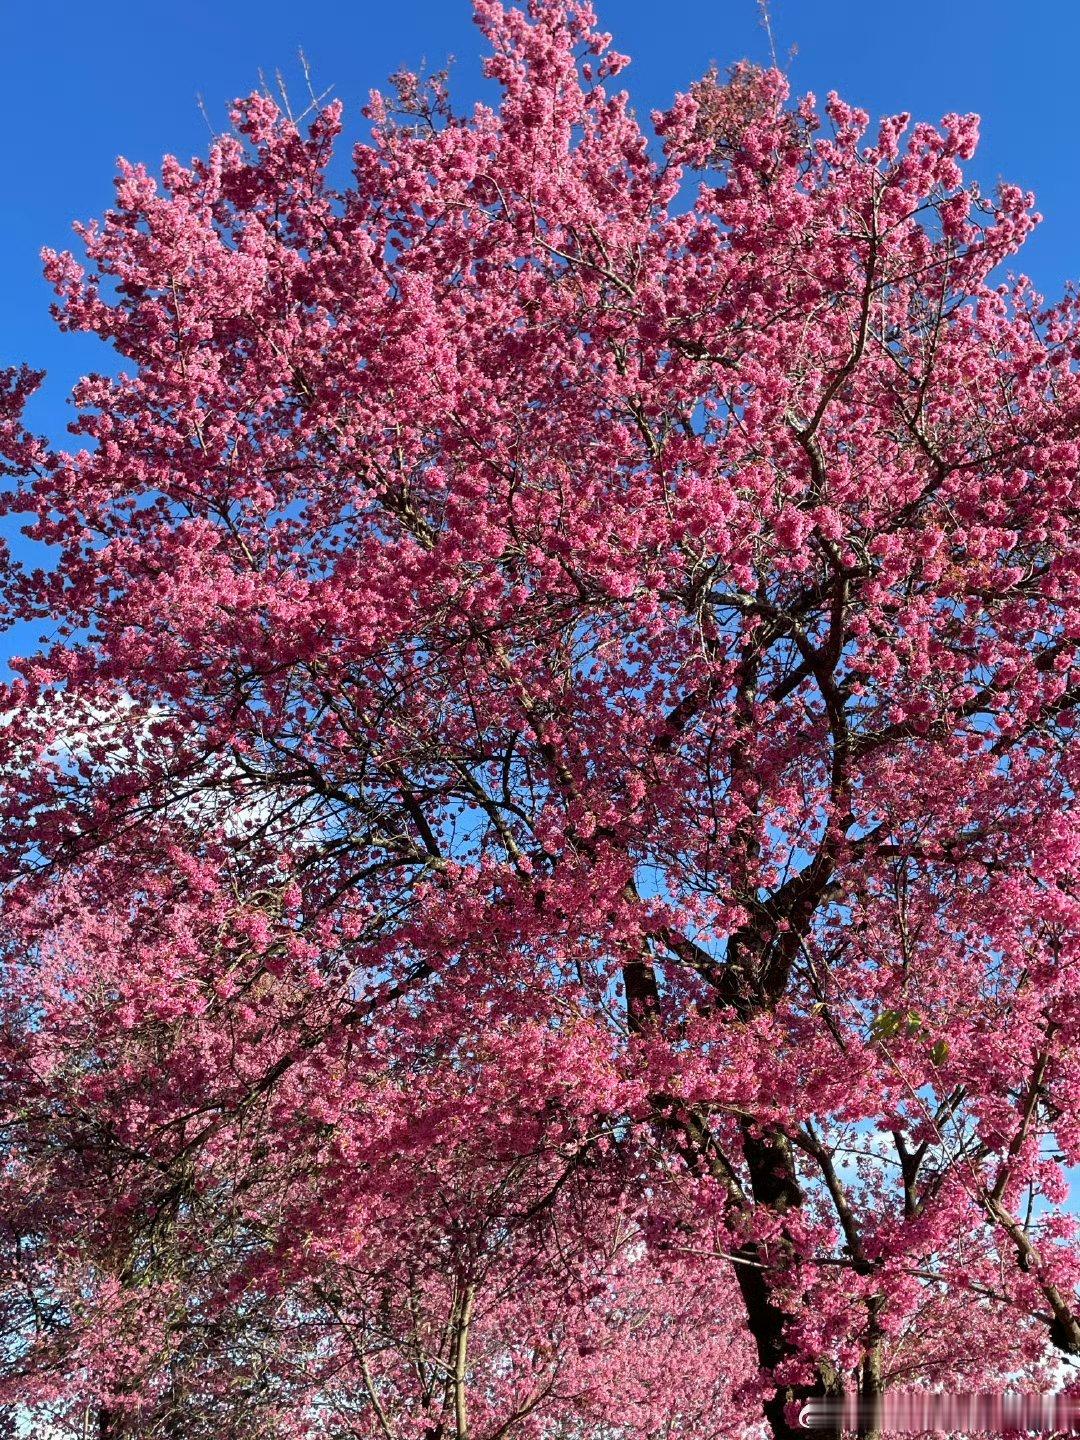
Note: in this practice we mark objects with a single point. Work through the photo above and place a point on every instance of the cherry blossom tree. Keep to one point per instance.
(540, 852)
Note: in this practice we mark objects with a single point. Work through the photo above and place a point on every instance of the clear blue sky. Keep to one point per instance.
(86, 82)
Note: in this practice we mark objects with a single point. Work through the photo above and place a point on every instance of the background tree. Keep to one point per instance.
(591, 662)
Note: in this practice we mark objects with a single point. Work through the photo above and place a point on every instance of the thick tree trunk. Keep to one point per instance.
(775, 1186)
(871, 1380)
(112, 1425)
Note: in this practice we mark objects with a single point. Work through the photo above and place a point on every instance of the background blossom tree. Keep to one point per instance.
(548, 813)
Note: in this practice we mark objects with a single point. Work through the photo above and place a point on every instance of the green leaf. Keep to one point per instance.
(886, 1025)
